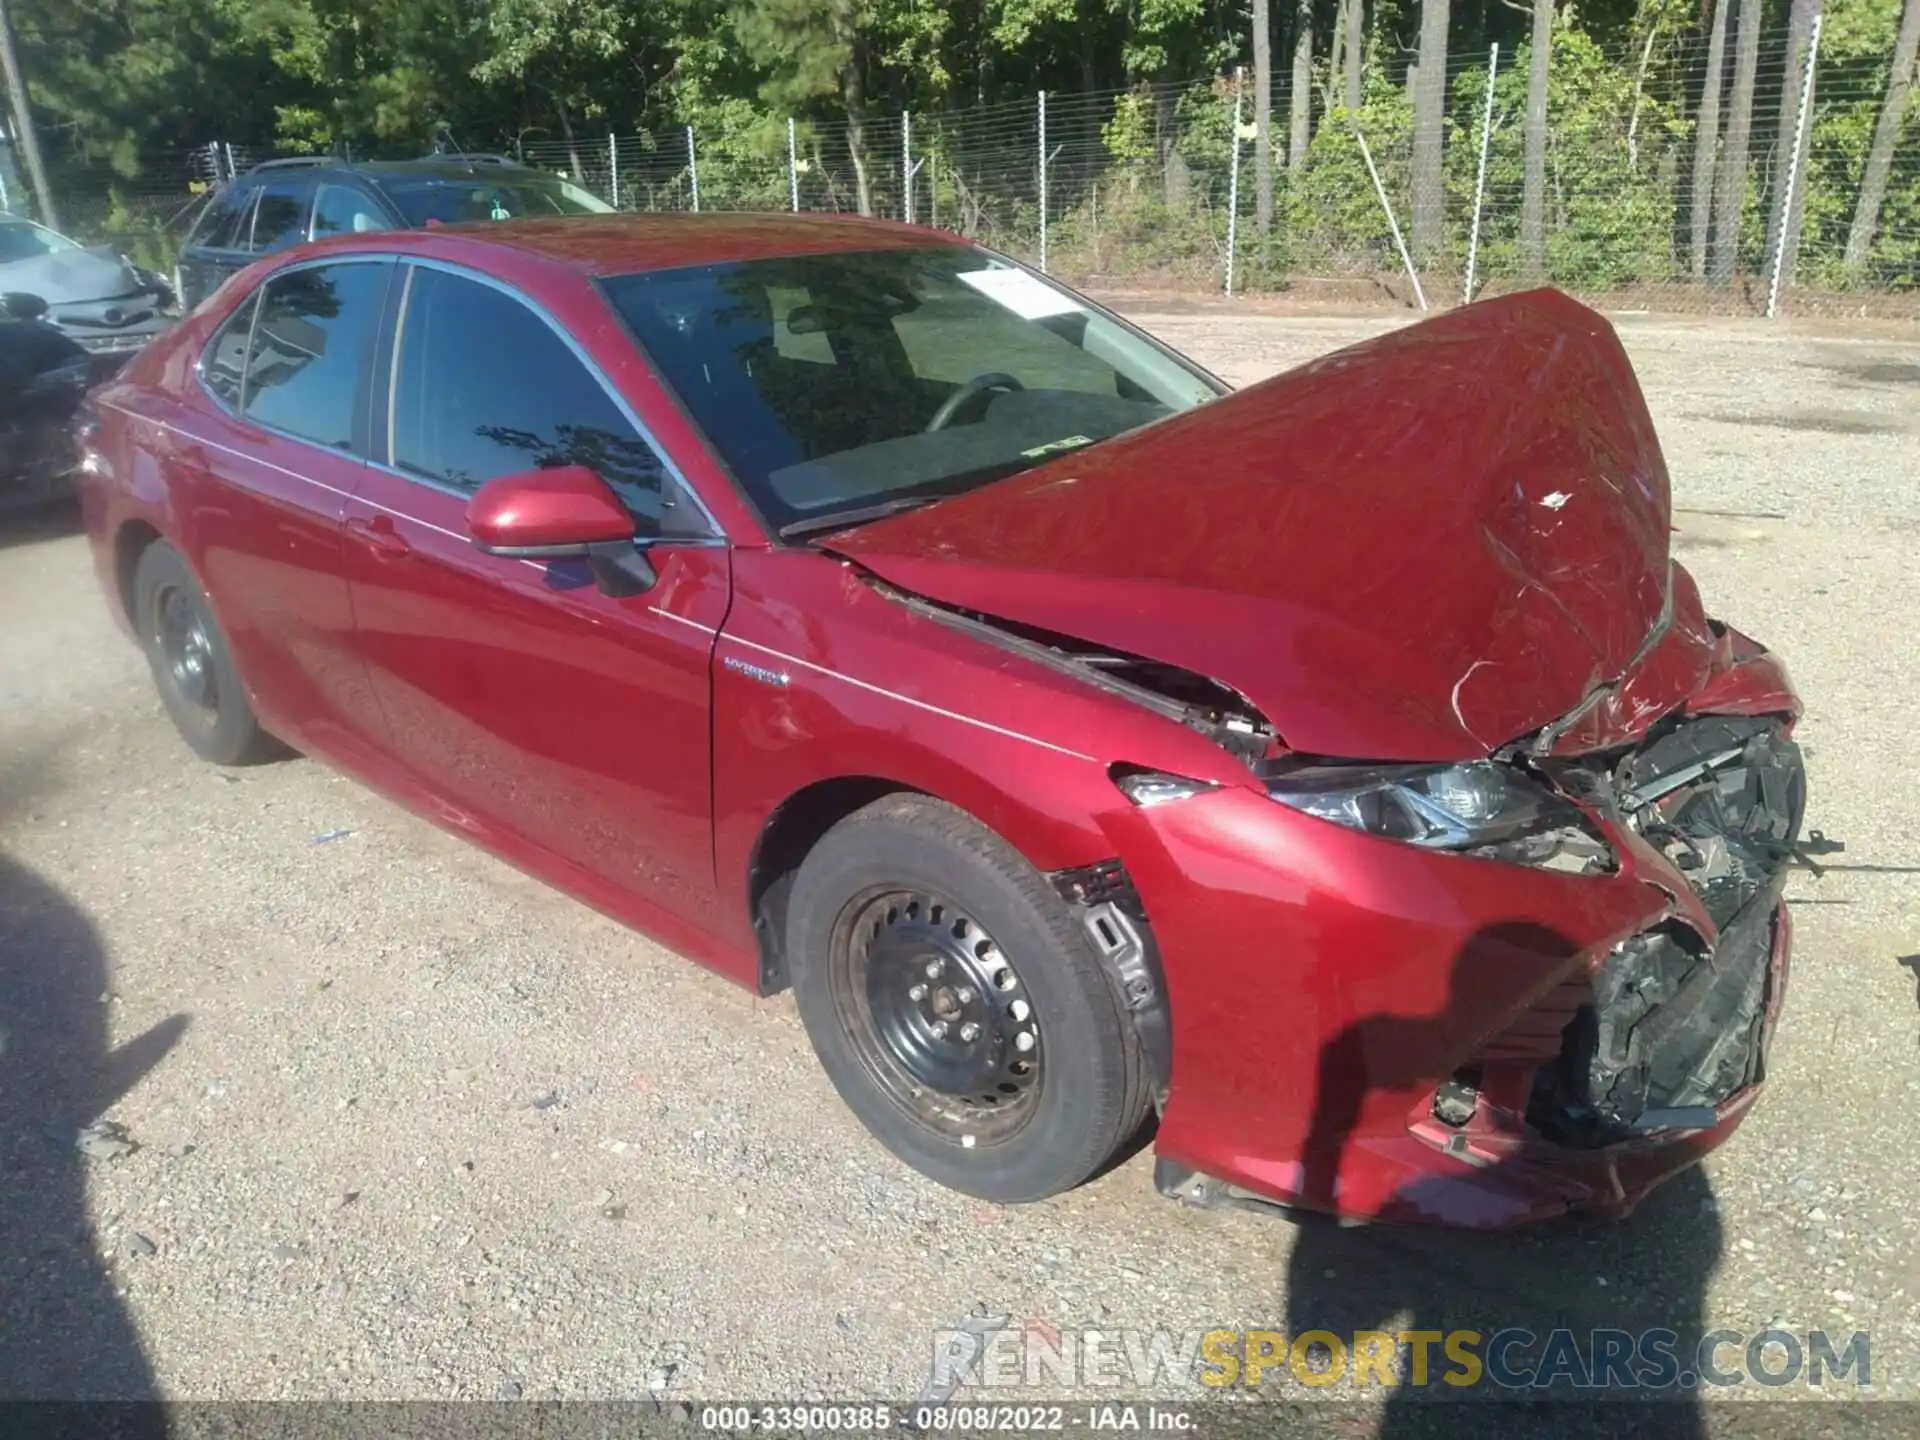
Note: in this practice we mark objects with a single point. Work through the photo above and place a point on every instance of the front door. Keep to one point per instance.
(549, 720)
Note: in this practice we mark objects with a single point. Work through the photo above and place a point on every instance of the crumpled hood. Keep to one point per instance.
(1419, 548)
(71, 277)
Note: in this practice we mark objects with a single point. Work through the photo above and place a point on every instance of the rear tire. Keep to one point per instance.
(192, 663)
(956, 1005)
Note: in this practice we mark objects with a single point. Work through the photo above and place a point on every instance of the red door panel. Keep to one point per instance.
(266, 542)
(547, 719)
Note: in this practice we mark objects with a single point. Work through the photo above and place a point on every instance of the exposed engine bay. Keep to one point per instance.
(1676, 1025)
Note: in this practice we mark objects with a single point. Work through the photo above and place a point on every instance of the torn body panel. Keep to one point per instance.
(1227, 718)
(1420, 1037)
(1676, 1023)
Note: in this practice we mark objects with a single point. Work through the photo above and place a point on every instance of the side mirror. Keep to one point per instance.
(565, 513)
(22, 306)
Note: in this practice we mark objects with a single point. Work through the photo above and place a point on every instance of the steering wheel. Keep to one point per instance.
(969, 392)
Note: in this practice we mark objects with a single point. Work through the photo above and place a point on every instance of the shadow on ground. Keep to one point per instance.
(1559, 1282)
(64, 1333)
(50, 520)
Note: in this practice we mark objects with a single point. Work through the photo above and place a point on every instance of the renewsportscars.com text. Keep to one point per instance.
(1038, 1354)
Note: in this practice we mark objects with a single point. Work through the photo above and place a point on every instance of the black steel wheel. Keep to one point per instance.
(957, 1006)
(938, 1016)
(191, 663)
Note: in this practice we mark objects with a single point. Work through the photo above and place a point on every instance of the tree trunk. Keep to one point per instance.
(1262, 118)
(1429, 107)
(1356, 40)
(1533, 186)
(1732, 197)
(853, 94)
(1873, 184)
(1639, 90)
(23, 120)
(1706, 137)
(1174, 176)
(857, 152)
(1787, 114)
(1334, 45)
(573, 145)
(1300, 123)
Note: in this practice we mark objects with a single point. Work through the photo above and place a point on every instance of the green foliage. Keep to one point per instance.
(1128, 136)
(1611, 208)
(1332, 211)
(127, 86)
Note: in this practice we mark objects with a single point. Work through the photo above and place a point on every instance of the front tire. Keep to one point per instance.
(957, 1007)
(192, 664)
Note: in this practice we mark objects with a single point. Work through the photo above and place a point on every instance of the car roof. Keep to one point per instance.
(437, 167)
(621, 244)
(428, 167)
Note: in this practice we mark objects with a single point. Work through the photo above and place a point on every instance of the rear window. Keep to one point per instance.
(443, 200)
(294, 358)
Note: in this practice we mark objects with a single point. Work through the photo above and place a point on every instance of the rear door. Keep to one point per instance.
(261, 478)
(544, 715)
(218, 246)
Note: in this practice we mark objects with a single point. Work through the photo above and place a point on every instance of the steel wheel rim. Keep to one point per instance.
(938, 1016)
(186, 650)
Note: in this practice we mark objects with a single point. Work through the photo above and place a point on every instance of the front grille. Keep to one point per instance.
(1676, 1026)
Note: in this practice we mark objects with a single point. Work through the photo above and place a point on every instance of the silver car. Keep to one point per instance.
(106, 304)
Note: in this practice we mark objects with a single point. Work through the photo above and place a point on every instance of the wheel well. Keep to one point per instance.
(791, 832)
(128, 546)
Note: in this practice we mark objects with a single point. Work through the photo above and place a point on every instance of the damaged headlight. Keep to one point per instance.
(1481, 807)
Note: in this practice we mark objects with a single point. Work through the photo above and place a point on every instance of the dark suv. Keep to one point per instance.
(284, 202)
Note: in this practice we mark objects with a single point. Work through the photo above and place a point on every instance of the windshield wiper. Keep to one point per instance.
(859, 515)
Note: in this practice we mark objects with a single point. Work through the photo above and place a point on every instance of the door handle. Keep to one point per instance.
(379, 536)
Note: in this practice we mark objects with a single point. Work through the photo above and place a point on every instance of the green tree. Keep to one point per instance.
(815, 48)
(1886, 133)
(373, 72)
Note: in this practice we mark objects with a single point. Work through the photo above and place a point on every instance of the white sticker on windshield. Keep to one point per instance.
(1023, 294)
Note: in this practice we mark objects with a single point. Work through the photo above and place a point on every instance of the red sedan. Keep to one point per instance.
(1339, 767)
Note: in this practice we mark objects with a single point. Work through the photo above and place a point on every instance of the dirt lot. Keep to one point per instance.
(410, 1125)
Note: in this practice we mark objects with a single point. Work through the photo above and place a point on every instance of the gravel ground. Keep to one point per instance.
(409, 1125)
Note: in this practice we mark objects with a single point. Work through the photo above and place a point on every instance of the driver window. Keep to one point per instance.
(486, 388)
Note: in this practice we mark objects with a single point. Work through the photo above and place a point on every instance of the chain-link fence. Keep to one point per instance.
(1630, 193)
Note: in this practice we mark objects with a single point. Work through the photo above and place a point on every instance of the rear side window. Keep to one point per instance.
(308, 351)
(486, 388)
(224, 365)
(220, 224)
(339, 210)
(281, 219)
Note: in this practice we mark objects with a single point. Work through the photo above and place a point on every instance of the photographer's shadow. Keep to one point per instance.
(1647, 1272)
(64, 1332)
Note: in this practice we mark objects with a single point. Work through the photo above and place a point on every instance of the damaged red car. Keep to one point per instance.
(1340, 767)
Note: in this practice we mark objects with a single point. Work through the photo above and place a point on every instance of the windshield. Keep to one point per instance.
(849, 384)
(23, 240)
(449, 200)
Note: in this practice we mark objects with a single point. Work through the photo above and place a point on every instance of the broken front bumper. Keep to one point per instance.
(1382, 1032)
